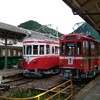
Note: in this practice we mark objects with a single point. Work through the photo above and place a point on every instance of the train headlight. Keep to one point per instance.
(34, 61)
(61, 38)
(78, 37)
(81, 65)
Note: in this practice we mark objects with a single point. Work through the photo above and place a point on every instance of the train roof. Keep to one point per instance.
(11, 32)
(40, 36)
(77, 34)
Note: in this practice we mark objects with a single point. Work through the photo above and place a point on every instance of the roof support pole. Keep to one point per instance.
(6, 54)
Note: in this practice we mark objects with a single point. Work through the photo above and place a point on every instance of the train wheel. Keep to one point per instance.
(55, 71)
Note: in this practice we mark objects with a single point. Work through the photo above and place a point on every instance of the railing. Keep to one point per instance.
(63, 91)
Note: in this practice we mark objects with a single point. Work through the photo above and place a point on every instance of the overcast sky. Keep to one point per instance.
(54, 12)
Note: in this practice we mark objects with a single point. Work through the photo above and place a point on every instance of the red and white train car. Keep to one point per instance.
(79, 56)
(41, 55)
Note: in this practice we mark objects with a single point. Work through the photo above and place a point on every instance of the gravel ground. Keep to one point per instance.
(39, 83)
(48, 82)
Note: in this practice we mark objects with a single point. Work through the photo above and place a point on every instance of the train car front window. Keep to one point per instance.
(24, 49)
(70, 48)
(35, 49)
(53, 50)
(56, 50)
(28, 49)
(41, 49)
(47, 49)
(70, 37)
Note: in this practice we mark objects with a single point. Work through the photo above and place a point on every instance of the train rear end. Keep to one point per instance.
(41, 57)
(78, 56)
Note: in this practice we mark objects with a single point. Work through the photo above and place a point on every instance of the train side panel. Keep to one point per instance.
(41, 63)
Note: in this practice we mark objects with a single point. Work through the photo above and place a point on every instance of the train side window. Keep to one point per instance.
(41, 49)
(53, 50)
(85, 48)
(93, 49)
(28, 49)
(56, 50)
(47, 49)
(35, 49)
(78, 48)
(62, 48)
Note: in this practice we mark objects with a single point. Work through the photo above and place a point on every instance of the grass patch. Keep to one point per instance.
(20, 92)
(23, 93)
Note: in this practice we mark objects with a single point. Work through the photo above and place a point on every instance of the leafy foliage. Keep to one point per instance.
(20, 92)
(35, 26)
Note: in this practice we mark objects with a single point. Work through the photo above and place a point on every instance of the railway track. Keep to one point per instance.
(42, 84)
(9, 86)
(29, 83)
(78, 85)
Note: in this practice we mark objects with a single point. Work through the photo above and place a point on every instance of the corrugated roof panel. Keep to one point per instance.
(89, 10)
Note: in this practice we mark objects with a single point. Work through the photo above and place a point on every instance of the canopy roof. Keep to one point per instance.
(11, 32)
(89, 10)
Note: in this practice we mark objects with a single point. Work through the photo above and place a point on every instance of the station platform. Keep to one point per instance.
(90, 91)
(7, 74)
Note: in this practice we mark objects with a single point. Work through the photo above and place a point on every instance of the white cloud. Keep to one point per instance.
(54, 12)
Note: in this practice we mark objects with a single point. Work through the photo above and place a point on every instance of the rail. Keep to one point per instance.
(63, 91)
(8, 75)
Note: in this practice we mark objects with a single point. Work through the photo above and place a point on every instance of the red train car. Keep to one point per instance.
(41, 55)
(79, 56)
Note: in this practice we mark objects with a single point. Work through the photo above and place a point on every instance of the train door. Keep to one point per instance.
(93, 55)
(86, 56)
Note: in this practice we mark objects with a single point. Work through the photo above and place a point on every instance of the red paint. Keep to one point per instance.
(42, 63)
(87, 62)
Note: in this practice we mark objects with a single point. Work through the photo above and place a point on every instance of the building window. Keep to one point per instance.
(14, 52)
